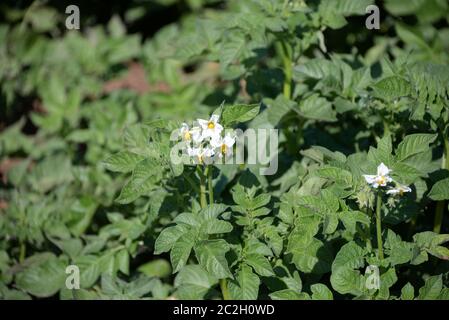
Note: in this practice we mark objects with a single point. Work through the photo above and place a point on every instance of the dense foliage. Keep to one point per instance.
(363, 178)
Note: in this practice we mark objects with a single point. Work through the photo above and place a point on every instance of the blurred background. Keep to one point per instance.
(66, 97)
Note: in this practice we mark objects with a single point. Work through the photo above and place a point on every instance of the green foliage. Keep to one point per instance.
(87, 133)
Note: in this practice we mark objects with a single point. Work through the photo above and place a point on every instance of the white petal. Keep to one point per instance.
(202, 123)
(382, 170)
(208, 152)
(216, 141)
(192, 152)
(228, 140)
(218, 127)
(214, 118)
(213, 134)
(196, 135)
(369, 178)
(183, 129)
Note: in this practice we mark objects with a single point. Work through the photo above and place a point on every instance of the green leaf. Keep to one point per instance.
(90, 270)
(122, 261)
(216, 227)
(336, 174)
(260, 201)
(350, 219)
(278, 108)
(313, 256)
(440, 190)
(345, 7)
(136, 138)
(193, 282)
(317, 108)
(407, 292)
(43, 279)
(412, 38)
(213, 211)
(188, 218)
(431, 288)
(231, 50)
(392, 88)
(245, 286)
(71, 247)
(414, 144)
(288, 294)
(160, 268)
(145, 177)
(350, 256)
(317, 69)
(334, 11)
(345, 278)
(211, 256)
(239, 113)
(321, 292)
(260, 264)
(180, 252)
(168, 237)
(444, 295)
(124, 161)
(439, 252)
(81, 213)
(387, 280)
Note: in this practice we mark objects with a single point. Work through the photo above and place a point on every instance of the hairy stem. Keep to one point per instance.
(368, 230)
(203, 200)
(223, 282)
(441, 205)
(209, 184)
(379, 225)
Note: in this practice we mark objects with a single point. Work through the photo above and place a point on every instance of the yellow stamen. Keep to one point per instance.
(211, 125)
(187, 135)
(381, 180)
(223, 148)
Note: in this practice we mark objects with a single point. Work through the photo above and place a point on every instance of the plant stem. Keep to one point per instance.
(210, 186)
(368, 230)
(22, 253)
(192, 183)
(223, 282)
(439, 210)
(284, 51)
(441, 205)
(203, 201)
(224, 289)
(379, 225)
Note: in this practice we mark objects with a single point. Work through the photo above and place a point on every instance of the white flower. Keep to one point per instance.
(381, 179)
(190, 134)
(201, 155)
(223, 146)
(399, 190)
(211, 128)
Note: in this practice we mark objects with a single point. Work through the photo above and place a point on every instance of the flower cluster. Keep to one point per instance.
(382, 179)
(205, 142)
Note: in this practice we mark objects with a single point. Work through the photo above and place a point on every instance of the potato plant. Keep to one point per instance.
(358, 205)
